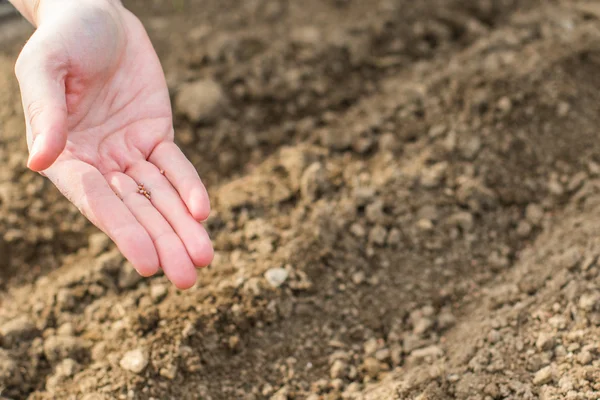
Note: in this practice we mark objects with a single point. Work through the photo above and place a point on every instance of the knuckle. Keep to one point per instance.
(34, 110)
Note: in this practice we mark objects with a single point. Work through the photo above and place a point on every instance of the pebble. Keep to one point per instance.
(422, 325)
(9, 370)
(339, 369)
(358, 230)
(128, 276)
(534, 214)
(374, 212)
(57, 348)
(372, 367)
(544, 376)
(394, 238)
(169, 372)
(358, 277)
(470, 148)
(429, 353)
(135, 361)
(313, 181)
(446, 320)
(276, 276)
(494, 336)
(18, 329)
(371, 346)
(545, 341)
(584, 358)
(97, 243)
(589, 301)
(382, 355)
(65, 300)
(378, 235)
(463, 220)
(201, 101)
(158, 292)
(433, 176)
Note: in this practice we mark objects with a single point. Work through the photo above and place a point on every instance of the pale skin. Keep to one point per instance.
(99, 124)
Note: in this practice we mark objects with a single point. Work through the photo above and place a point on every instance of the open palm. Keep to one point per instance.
(99, 126)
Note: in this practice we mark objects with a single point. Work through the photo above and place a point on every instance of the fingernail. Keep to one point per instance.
(36, 148)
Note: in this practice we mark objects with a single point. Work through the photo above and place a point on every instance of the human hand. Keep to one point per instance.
(99, 123)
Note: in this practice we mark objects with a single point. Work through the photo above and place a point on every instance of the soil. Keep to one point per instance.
(406, 200)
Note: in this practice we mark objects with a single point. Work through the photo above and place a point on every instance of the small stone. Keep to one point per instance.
(534, 213)
(437, 131)
(313, 181)
(563, 109)
(372, 367)
(339, 369)
(354, 387)
(276, 276)
(281, 394)
(584, 358)
(426, 354)
(463, 220)
(57, 348)
(135, 361)
(371, 346)
(335, 140)
(18, 329)
(504, 104)
(470, 147)
(544, 376)
(358, 277)
(425, 225)
(394, 238)
(374, 212)
(378, 235)
(589, 301)
(65, 300)
(169, 372)
(233, 342)
(158, 292)
(382, 355)
(433, 176)
(337, 385)
(358, 230)
(97, 243)
(422, 325)
(201, 101)
(545, 342)
(492, 390)
(388, 142)
(577, 181)
(10, 374)
(524, 229)
(110, 262)
(67, 368)
(66, 329)
(494, 336)
(446, 320)
(128, 277)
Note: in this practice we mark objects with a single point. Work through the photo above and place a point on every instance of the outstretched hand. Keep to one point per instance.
(99, 126)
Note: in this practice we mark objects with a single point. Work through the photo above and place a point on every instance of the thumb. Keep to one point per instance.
(41, 70)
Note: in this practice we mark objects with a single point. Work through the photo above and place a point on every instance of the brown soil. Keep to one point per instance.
(423, 176)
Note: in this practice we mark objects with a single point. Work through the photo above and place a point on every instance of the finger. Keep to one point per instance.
(85, 187)
(172, 254)
(167, 201)
(169, 158)
(41, 74)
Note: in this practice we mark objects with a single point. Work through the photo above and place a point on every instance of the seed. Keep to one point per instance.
(162, 171)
